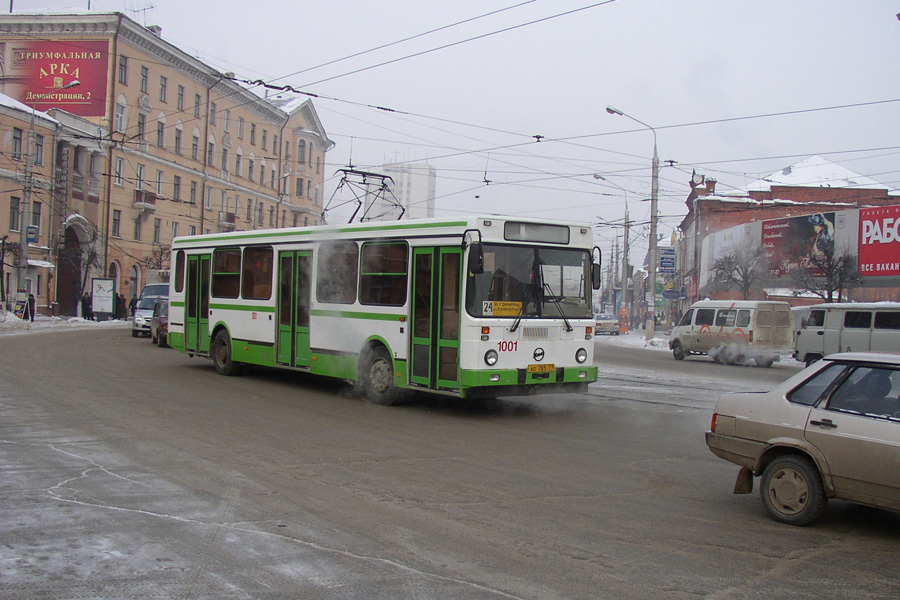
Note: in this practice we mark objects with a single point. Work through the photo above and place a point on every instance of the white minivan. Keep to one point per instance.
(848, 327)
(735, 331)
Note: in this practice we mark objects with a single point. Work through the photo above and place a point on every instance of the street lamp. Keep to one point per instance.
(654, 198)
(25, 208)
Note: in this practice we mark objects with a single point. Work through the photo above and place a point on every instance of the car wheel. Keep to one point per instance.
(792, 490)
(764, 362)
(221, 354)
(162, 341)
(811, 358)
(377, 374)
(134, 333)
(678, 351)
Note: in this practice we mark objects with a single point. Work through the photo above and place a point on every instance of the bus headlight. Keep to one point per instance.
(490, 358)
(581, 355)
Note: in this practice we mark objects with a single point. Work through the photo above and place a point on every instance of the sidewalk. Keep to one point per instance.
(10, 324)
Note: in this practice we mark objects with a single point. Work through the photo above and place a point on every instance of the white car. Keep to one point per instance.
(143, 312)
(830, 431)
(606, 323)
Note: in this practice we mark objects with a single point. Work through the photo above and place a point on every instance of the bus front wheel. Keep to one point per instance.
(221, 354)
(377, 374)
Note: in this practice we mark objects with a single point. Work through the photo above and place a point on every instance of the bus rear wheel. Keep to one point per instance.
(377, 375)
(221, 354)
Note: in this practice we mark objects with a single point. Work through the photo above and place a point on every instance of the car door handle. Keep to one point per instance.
(826, 423)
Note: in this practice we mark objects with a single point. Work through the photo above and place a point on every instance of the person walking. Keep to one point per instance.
(31, 306)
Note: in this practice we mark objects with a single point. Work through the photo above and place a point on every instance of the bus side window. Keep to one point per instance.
(179, 271)
(337, 272)
(256, 273)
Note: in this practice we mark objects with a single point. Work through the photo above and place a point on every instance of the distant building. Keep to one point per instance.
(779, 213)
(411, 188)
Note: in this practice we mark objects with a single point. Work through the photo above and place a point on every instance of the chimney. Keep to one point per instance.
(710, 186)
(155, 30)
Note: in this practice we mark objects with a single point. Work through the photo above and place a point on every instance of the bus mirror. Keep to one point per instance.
(476, 258)
(595, 276)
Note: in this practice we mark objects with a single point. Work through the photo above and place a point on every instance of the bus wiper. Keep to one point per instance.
(556, 301)
(526, 298)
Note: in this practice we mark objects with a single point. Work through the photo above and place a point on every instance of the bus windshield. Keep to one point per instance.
(530, 282)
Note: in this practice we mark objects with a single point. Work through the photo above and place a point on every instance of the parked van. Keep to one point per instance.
(848, 327)
(735, 331)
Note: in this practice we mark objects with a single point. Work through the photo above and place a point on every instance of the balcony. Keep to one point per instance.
(144, 200)
(78, 186)
(94, 189)
(227, 220)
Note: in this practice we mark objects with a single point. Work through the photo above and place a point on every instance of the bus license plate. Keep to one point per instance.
(541, 368)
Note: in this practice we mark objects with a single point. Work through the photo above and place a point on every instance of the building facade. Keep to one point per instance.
(410, 193)
(152, 144)
(788, 215)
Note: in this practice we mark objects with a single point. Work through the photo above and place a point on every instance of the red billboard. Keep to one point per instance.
(40, 67)
(791, 242)
(879, 241)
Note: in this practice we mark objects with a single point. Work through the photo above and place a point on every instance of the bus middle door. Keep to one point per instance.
(434, 338)
(292, 345)
(196, 317)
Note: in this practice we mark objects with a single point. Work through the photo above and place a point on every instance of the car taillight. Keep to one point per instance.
(712, 425)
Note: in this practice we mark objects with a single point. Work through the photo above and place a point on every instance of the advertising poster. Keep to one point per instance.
(792, 242)
(36, 68)
(102, 295)
(879, 241)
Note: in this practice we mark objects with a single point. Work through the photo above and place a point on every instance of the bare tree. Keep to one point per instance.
(9, 257)
(743, 267)
(158, 259)
(83, 260)
(828, 271)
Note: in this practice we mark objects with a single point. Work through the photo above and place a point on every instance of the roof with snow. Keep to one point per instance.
(814, 171)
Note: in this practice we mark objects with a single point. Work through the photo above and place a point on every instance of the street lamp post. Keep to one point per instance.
(25, 208)
(654, 199)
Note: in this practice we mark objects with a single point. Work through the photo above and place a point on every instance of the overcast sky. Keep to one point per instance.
(470, 97)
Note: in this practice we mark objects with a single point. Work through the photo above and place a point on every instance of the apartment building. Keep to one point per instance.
(150, 143)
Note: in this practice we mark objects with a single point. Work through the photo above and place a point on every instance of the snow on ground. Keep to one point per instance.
(637, 339)
(10, 324)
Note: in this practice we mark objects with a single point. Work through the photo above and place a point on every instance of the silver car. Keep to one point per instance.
(830, 431)
(606, 323)
(143, 312)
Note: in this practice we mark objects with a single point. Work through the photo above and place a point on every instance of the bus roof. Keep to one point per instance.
(491, 227)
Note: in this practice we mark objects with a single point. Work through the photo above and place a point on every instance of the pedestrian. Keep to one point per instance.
(132, 304)
(87, 302)
(31, 304)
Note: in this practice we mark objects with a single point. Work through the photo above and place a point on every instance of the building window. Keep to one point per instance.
(237, 164)
(137, 227)
(301, 152)
(38, 149)
(139, 177)
(192, 230)
(14, 204)
(120, 118)
(159, 183)
(17, 144)
(240, 128)
(265, 135)
(210, 151)
(176, 188)
(195, 148)
(318, 165)
(197, 106)
(208, 199)
(271, 216)
(249, 209)
(275, 145)
(118, 171)
(180, 99)
(252, 134)
(145, 79)
(212, 113)
(116, 223)
(225, 159)
(123, 70)
(160, 134)
(157, 226)
(251, 164)
(174, 229)
(36, 214)
(299, 189)
(142, 125)
(227, 123)
(163, 89)
(193, 192)
(178, 135)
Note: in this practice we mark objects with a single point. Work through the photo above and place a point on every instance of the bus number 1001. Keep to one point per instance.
(508, 346)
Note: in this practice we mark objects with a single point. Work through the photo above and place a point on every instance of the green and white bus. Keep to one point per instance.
(467, 307)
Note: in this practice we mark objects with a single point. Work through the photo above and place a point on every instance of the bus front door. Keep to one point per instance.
(434, 351)
(293, 308)
(196, 315)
